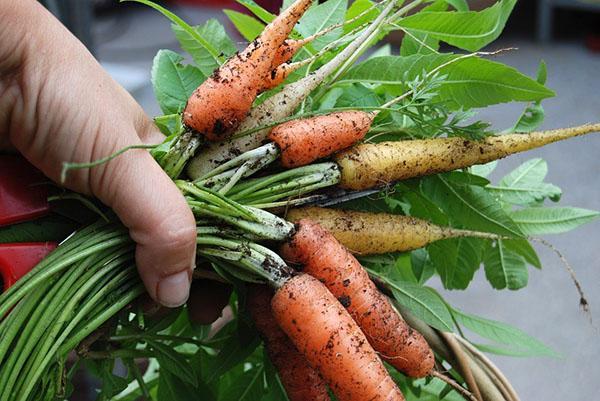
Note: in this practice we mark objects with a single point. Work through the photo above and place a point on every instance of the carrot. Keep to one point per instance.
(331, 341)
(324, 258)
(372, 165)
(306, 140)
(279, 106)
(219, 104)
(300, 380)
(367, 233)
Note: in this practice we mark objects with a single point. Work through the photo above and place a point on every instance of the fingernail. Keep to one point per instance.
(172, 291)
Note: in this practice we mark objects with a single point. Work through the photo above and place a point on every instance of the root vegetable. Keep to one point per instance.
(324, 258)
(331, 341)
(300, 380)
(303, 141)
(373, 165)
(367, 233)
(219, 104)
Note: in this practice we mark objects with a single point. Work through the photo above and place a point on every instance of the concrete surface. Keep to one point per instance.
(548, 308)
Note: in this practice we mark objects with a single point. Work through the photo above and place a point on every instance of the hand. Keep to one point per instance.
(57, 104)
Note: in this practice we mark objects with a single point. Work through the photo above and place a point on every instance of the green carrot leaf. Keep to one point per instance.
(320, 17)
(555, 220)
(505, 268)
(248, 26)
(424, 302)
(257, 10)
(525, 185)
(203, 52)
(468, 30)
(173, 82)
(469, 82)
(50, 228)
(533, 115)
(456, 260)
(173, 362)
(247, 386)
(469, 206)
(503, 333)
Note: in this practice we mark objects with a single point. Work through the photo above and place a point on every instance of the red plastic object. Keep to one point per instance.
(22, 193)
(16, 260)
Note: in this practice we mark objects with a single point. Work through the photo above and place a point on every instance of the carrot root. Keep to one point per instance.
(331, 341)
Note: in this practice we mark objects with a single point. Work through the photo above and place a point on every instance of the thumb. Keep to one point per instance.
(158, 217)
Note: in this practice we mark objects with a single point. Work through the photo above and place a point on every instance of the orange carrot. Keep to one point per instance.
(323, 257)
(306, 140)
(219, 104)
(331, 341)
(300, 380)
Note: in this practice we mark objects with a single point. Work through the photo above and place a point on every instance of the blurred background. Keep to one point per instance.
(564, 33)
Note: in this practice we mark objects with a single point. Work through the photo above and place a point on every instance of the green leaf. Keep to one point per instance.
(257, 10)
(246, 387)
(214, 36)
(357, 8)
(525, 185)
(459, 5)
(504, 268)
(523, 248)
(320, 17)
(171, 388)
(456, 260)
(470, 206)
(469, 30)
(172, 81)
(424, 302)
(484, 170)
(502, 333)
(533, 115)
(235, 350)
(469, 81)
(248, 26)
(50, 228)
(418, 43)
(556, 220)
(184, 26)
(172, 361)
(275, 389)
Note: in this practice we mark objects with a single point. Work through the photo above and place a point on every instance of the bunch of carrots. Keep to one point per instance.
(321, 316)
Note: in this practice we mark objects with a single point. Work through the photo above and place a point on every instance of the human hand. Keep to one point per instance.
(57, 104)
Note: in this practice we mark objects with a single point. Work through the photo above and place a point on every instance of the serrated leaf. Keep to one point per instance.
(504, 268)
(214, 41)
(248, 26)
(502, 333)
(468, 30)
(424, 302)
(172, 81)
(171, 388)
(533, 115)
(469, 82)
(556, 220)
(214, 53)
(509, 351)
(234, 351)
(525, 184)
(469, 205)
(418, 43)
(484, 170)
(456, 260)
(173, 362)
(523, 248)
(320, 17)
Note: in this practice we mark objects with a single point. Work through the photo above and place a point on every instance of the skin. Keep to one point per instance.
(290, 364)
(331, 341)
(57, 104)
(324, 258)
(306, 140)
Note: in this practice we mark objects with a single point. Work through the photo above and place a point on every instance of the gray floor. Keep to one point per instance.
(548, 308)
